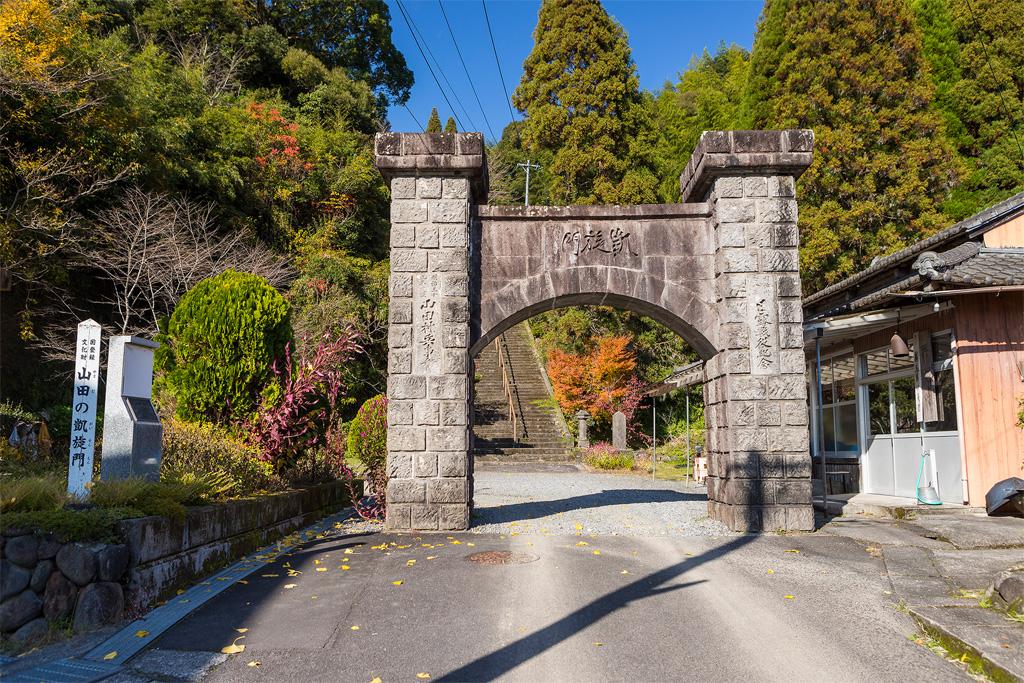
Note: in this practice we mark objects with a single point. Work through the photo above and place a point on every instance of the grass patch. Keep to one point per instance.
(25, 494)
(610, 461)
(95, 524)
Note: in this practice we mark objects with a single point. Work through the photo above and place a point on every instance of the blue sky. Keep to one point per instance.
(664, 36)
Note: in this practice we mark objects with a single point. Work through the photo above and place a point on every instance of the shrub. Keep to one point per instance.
(368, 434)
(212, 453)
(603, 456)
(299, 421)
(27, 494)
(368, 445)
(220, 344)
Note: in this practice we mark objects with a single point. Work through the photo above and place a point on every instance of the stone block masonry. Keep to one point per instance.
(721, 270)
(433, 179)
(759, 469)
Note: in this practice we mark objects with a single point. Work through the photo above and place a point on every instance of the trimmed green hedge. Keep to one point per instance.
(219, 346)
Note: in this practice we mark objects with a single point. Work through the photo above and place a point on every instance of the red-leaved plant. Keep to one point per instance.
(301, 418)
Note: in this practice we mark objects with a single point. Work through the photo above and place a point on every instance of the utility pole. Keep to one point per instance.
(528, 165)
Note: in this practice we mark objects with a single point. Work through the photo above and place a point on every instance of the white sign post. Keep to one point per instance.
(83, 408)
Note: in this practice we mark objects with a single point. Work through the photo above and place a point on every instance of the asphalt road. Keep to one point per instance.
(576, 607)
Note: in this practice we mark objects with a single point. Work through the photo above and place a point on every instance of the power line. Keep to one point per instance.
(430, 52)
(427, 62)
(418, 124)
(487, 20)
(988, 62)
(468, 77)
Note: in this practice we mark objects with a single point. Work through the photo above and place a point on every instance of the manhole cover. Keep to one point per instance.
(501, 557)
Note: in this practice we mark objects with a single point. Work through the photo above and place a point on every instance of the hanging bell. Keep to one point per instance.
(898, 347)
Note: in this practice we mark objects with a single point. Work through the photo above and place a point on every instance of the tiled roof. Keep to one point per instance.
(972, 264)
(979, 221)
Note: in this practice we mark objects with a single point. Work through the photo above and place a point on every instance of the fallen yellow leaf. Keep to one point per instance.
(348, 551)
(456, 542)
(243, 582)
(316, 561)
(624, 571)
(431, 557)
(355, 628)
(599, 644)
(398, 583)
(321, 569)
(345, 567)
(377, 680)
(290, 585)
(471, 545)
(242, 630)
(789, 597)
(253, 663)
(791, 550)
(582, 543)
(233, 649)
(180, 591)
(771, 571)
(423, 675)
(597, 552)
(409, 563)
(110, 655)
(141, 634)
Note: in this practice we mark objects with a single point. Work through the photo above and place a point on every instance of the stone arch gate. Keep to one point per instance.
(720, 269)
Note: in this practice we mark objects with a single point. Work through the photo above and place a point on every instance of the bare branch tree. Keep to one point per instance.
(152, 248)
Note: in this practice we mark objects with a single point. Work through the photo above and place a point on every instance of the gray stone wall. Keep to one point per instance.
(433, 179)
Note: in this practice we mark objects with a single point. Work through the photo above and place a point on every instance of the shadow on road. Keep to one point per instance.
(503, 660)
(518, 512)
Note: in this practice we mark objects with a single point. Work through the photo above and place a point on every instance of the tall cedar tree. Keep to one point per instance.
(581, 97)
(855, 73)
(449, 126)
(434, 122)
(977, 59)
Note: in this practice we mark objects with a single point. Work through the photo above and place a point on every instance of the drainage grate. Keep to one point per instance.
(501, 557)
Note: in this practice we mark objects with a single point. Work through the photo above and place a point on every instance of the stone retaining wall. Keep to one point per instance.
(45, 580)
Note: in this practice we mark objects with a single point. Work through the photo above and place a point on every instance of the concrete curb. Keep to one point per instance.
(950, 626)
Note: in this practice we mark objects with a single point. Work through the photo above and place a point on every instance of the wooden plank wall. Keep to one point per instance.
(990, 344)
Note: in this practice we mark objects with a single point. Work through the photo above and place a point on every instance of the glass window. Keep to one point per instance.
(875, 362)
(843, 371)
(826, 383)
(846, 428)
(878, 408)
(905, 398)
(942, 348)
(829, 428)
(944, 387)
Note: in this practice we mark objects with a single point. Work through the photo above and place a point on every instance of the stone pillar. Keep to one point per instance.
(755, 393)
(434, 180)
(582, 420)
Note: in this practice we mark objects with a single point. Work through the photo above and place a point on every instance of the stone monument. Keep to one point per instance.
(619, 431)
(131, 428)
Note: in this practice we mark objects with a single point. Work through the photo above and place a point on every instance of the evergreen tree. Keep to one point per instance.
(434, 122)
(856, 74)
(986, 101)
(708, 96)
(449, 126)
(581, 96)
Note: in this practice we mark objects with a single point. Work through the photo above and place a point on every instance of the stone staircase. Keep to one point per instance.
(541, 433)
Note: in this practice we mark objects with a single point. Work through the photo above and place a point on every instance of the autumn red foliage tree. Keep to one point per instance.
(601, 381)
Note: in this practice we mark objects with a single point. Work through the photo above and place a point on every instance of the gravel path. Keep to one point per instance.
(560, 500)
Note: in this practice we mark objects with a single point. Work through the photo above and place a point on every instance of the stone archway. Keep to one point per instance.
(720, 269)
